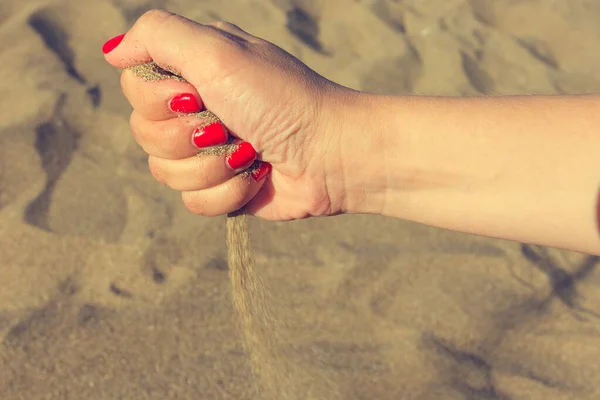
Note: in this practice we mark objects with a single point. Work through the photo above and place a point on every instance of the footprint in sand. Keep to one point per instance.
(118, 275)
(47, 24)
(306, 28)
(64, 29)
(80, 197)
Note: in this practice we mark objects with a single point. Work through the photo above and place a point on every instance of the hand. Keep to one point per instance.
(283, 113)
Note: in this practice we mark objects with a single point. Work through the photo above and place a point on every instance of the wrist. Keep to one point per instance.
(360, 177)
(387, 153)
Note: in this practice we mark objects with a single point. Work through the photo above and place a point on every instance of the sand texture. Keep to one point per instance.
(111, 289)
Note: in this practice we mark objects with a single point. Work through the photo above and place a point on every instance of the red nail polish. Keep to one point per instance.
(210, 135)
(262, 171)
(242, 156)
(184, 103)
(112, 44)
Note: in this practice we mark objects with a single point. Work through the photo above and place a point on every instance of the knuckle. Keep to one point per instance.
(221, 24)
(168, 141)
(224, 35)
(140, 132)
(203, 178)
(225, 54)
(157, 170)
(239, 196)
(156, 140)
(238, 204)
(151, 17)
(194, 202)
(133, 126)
(125, 82)
(156, 21)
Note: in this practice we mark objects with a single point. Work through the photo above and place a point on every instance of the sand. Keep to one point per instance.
(111, 289)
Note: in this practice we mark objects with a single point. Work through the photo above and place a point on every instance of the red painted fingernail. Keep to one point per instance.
(184, 103)
(262, 171)
(210, 135)
(242, 156)
(112, 43)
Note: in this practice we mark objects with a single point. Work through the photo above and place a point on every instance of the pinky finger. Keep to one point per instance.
(229, 196)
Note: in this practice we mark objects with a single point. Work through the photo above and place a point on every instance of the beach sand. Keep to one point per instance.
(111, 289)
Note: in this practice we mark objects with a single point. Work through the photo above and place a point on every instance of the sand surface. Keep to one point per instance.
(111, 289)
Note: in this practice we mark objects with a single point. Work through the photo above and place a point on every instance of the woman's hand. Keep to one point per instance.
(281, 112)
(517, 168)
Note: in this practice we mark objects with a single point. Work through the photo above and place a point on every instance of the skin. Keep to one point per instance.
(517, 168)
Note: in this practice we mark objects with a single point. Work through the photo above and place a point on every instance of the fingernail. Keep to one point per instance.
(112, 44)
(262, 171)
(184, 103)
(242, 156)
(210, 135)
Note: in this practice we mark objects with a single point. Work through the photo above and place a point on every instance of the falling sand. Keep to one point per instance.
(278, 378)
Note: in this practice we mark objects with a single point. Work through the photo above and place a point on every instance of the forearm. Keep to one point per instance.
(518, 168)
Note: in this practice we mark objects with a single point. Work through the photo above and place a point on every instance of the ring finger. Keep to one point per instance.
(204, 170)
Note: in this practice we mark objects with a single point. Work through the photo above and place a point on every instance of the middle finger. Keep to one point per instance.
(177, 138)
